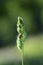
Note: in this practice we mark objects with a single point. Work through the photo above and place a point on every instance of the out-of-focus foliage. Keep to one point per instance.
(30, 10)
(33, 52)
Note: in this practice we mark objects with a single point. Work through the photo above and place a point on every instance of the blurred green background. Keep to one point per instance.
(32, 13)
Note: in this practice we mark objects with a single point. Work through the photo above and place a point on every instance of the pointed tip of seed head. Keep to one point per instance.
(20, 19)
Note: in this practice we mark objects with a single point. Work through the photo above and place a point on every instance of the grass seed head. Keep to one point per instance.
(21, 33)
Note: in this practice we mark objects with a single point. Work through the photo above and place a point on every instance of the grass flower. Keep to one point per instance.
(21, 36)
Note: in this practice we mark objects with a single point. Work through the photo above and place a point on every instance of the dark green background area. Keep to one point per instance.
(30, 10)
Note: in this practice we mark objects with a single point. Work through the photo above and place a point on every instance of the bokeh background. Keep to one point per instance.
(32, 13)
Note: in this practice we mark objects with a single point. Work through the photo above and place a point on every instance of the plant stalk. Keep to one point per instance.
(22, 55)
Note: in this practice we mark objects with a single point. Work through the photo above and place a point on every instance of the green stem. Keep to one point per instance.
(22, 54)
